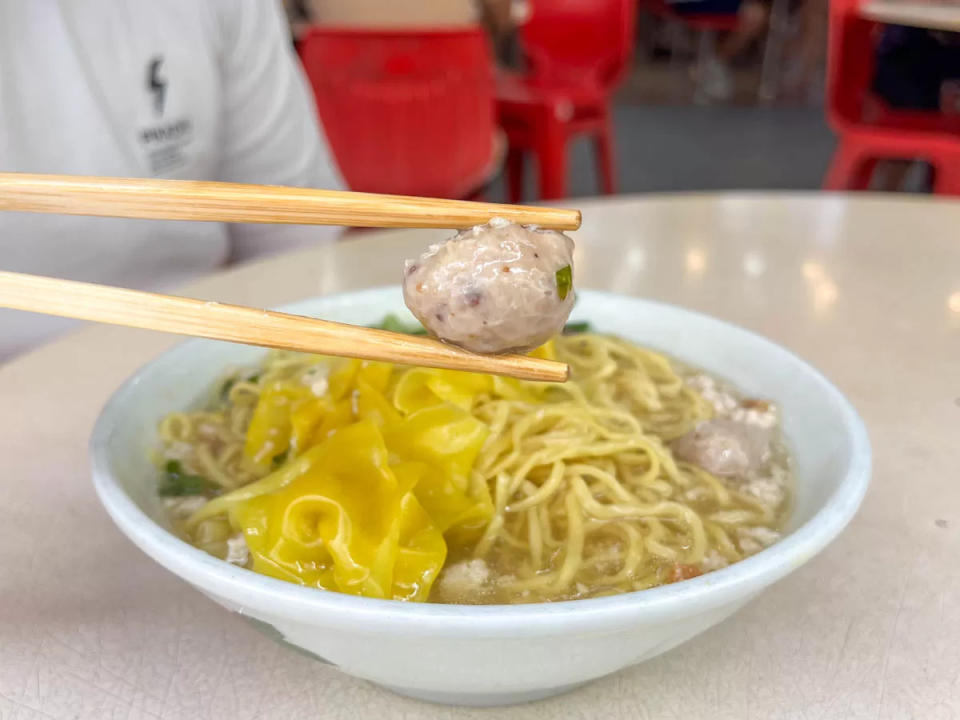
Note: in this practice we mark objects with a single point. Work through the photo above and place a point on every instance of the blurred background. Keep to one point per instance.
(544, 99)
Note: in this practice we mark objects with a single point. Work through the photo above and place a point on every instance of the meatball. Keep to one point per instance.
(725, 447)
(494, 288)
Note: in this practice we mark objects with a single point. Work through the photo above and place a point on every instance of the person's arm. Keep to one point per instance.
(270, 132)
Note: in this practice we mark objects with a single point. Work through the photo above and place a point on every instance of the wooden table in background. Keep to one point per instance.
(867, 288)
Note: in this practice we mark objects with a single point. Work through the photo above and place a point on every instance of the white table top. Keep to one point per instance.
(930, 14)
(868, 289)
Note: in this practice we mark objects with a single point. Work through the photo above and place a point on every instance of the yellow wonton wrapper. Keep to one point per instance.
(372, 473)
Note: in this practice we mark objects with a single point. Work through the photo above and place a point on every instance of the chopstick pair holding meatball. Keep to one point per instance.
(520, 312)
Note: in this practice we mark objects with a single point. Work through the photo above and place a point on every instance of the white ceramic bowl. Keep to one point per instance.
(488, 655)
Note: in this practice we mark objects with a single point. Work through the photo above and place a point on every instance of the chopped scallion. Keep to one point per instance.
(176, 482)
(564, 281)
(394, 324)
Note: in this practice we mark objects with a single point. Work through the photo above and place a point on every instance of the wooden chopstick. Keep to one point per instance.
(235, 323)
(230, 202)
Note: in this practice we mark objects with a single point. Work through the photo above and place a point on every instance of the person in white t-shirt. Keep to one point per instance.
(202, 90)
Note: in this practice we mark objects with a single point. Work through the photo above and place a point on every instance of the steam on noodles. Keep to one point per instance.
(418, 484)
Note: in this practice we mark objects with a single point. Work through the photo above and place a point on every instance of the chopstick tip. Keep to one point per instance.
(552, 371)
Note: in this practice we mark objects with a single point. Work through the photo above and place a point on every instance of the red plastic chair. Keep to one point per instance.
(406, 112)
(868, 131)
(577, 51)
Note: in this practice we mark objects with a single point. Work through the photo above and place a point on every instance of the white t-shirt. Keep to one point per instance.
(191, 89)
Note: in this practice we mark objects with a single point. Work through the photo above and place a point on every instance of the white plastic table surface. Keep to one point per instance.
(929, 14)
(867, 288)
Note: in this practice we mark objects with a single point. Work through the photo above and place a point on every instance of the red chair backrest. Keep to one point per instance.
(585, 42)
(850, 63)
(406, 112)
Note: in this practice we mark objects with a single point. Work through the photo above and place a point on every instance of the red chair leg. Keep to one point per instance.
(552, 159)
(864, 174)
(514, 175)
(946, 179)
(603, 148)
(850, 168)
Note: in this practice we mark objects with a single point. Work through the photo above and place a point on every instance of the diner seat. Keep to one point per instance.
(407, 112)
(576, 52)
(867, 130)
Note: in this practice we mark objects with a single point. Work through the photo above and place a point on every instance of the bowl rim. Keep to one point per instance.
(257, 593)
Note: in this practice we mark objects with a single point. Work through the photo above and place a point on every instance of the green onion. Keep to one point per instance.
(394, 324)
(176, 482)
(279, 460)
(573, 328)
(227, 387)
(564, 281)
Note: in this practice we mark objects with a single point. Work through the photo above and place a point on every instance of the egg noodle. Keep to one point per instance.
(371, 478)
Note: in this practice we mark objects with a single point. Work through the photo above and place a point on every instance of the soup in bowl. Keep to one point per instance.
(470, 540)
